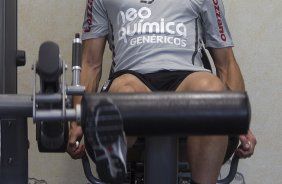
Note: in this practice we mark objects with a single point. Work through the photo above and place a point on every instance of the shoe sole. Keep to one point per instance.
(107, 144)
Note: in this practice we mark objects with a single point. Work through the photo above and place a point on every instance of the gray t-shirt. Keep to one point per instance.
(151, 35)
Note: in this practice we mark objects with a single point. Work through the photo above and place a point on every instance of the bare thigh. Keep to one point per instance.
(205, 153)
(199, 81)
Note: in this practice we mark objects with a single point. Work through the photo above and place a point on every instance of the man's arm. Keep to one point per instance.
(227, 68)
(229, 72)
(91, 71)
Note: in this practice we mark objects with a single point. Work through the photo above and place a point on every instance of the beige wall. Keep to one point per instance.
(256, 28)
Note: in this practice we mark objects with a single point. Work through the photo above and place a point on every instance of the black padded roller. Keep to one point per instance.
(171, 113)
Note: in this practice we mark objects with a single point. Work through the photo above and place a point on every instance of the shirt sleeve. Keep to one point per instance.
(216, 31)
(96, 22)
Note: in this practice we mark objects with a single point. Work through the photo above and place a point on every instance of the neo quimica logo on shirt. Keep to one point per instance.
(136, 29)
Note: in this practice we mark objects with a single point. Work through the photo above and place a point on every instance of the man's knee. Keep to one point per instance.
(209, 84)
(128, 83)
(124, 89)
(201, 81)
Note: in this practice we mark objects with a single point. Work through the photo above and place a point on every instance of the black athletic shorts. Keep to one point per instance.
(160, 81)
(167, 81)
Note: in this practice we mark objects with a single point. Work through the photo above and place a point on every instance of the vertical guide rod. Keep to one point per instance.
(76, 88)
(76, 59)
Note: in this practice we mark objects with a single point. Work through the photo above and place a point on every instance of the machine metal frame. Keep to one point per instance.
(14, 110)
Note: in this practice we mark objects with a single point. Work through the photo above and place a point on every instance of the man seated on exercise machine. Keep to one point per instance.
(156, 46)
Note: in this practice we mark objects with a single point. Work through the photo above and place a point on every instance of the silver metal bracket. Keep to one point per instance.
(63, 114)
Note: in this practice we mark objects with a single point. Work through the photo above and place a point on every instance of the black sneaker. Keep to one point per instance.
(107, 139)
